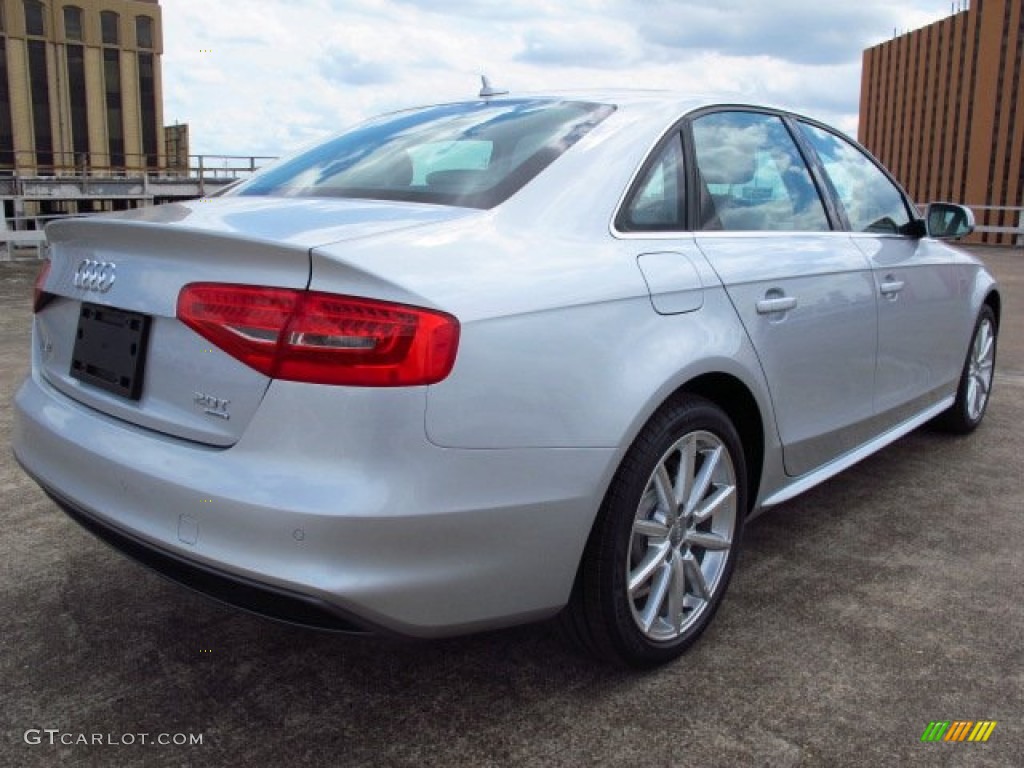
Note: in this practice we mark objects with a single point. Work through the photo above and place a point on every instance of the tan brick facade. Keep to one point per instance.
(26, 150)
(940, 107)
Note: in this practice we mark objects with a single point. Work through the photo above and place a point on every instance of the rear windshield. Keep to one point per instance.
(474, 154)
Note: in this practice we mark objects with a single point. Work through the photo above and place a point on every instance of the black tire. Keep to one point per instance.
(669, 609)
(975, 388)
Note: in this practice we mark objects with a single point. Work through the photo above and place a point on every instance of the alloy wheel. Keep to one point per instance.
(980, 369)
(682, 534)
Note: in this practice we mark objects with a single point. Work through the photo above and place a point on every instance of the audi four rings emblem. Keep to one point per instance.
(93, 275)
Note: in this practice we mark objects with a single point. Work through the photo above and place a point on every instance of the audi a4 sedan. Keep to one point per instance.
(482, 363)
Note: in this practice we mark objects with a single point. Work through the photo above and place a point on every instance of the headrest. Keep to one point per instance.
(728, 164)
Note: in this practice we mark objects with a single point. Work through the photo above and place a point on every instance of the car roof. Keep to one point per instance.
(657, 105)
(656, 102)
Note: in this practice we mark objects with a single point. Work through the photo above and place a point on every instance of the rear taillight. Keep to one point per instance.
(41, 298)
(322, 338)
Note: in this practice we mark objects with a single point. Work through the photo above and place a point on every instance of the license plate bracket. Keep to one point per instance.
(110, 349)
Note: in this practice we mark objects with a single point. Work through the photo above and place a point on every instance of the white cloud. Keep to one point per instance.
(266, 76)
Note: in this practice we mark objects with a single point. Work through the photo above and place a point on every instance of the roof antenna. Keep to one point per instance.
(487, 90)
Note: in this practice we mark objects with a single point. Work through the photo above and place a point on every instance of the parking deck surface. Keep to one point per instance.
(887, 598)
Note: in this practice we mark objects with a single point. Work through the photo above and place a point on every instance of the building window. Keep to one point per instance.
(78, 102)
(6, 133)
(115, 118)
(109, 25)
(34, 21)
(73, 23)
(40, 89)
(144, 31)
(147, 102)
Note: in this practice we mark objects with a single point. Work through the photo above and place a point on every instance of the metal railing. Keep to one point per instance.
(67, 178)
(69, 164)
(1007, 220)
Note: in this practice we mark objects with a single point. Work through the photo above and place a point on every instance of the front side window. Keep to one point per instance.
(474, 154)
(657, 201)
(753, 175)
(109, 27)
(872, 202)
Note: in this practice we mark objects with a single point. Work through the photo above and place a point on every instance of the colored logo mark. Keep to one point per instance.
(958, 730)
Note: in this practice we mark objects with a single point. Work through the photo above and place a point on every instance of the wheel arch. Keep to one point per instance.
(737, 401)
(995, 301)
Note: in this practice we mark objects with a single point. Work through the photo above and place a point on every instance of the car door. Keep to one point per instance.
(916, 282)
(804, 292)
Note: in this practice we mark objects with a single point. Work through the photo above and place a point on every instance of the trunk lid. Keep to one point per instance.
(112, 323)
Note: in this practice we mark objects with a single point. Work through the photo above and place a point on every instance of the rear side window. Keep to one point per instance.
(871, 201)
(752, 175)
(474, 154)
(657, 201)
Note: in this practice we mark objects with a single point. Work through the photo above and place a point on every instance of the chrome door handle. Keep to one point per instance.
(780, 304)
(890, 286)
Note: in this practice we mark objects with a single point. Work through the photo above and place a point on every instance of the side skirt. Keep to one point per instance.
(834, 467)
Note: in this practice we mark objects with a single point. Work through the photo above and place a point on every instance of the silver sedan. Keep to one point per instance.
(482, 363)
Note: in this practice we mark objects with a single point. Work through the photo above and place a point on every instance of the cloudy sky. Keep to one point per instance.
(267, 76)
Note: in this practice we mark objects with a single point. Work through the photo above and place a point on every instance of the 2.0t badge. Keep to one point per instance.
(92, 275)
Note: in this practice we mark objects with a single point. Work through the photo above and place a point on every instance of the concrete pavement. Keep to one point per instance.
(887, 598)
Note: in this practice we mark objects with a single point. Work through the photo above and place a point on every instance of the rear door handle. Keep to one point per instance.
(891, 286)
(778, 304)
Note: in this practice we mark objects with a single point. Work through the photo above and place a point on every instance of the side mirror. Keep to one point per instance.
(947, 221)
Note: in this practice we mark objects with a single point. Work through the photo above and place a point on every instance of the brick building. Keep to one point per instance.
(80, 86)
(940, 107)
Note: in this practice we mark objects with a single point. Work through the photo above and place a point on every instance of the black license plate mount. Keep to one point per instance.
(110, 349)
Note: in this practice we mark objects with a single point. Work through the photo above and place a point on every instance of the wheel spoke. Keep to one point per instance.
(983, 348)
(652, 529)
(710, 507)
(703, 479)
(983, 382)
(659, 591)
(654, 558)
(712, 541)
(677, 592)
(687, 467)
(981, 395)
(695, 576)
(666, 494)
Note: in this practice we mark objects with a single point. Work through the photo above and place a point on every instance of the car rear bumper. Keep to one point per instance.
(247, 594)
(387, 532)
